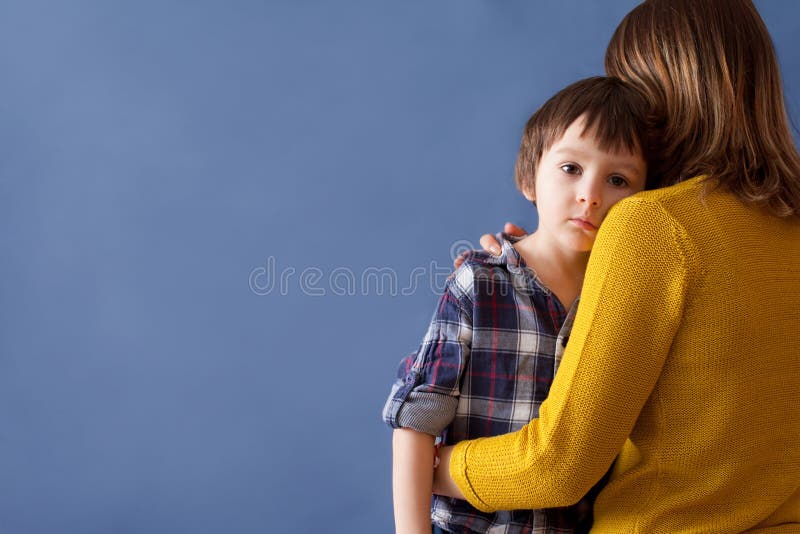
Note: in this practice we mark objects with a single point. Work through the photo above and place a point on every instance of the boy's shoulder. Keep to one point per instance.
(482, 269)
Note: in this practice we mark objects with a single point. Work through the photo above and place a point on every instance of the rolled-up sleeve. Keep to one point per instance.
(425, 395)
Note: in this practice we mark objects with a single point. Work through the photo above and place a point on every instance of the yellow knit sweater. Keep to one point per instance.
(685, 361)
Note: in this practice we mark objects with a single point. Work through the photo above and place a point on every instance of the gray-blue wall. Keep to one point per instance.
(165, 164)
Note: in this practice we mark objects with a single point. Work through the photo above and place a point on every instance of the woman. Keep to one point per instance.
(684, 360)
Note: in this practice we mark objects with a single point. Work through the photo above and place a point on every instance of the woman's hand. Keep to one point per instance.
(442, 483)
(490, 243)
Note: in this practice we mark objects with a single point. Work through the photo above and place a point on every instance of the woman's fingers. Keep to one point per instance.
(442, 483)
(459, 260)
(490, 244)
(513, 229)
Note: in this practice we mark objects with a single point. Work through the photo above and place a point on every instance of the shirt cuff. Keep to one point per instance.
(426, 412)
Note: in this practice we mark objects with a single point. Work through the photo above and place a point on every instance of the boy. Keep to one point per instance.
(495, 340)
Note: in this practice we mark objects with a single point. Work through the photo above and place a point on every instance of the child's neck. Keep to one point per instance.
(561, 271)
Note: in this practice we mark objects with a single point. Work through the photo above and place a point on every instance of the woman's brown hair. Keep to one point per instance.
(711, 76)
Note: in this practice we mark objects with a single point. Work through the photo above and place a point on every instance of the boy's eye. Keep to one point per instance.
(571, 168)
(617, 181)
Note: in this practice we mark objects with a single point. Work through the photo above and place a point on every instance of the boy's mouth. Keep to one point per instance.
(584, 223)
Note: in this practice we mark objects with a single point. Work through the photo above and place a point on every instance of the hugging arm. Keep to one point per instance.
(631, 307)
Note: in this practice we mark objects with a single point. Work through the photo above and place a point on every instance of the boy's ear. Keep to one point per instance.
(529, 193)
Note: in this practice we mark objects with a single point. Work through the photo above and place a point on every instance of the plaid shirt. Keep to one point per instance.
(483, 369)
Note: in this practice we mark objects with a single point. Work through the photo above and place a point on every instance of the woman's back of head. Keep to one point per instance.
(710, 73)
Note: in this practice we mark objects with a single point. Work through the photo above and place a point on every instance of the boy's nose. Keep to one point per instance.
(589, 196)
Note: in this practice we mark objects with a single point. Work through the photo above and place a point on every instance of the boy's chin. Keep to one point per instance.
(581, 246)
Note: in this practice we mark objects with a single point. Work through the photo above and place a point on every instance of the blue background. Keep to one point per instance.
(160, 159)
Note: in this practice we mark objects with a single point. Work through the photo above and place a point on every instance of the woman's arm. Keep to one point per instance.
(631, 307)
(412, 479)
(443, 484)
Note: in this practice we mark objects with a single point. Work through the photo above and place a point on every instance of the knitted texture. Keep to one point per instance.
(684, 361)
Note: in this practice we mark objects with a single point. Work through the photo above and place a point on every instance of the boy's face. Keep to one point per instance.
(577, 183)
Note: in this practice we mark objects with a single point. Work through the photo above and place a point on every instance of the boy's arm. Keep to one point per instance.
(412, 480)
(423, 402)
(425, 395)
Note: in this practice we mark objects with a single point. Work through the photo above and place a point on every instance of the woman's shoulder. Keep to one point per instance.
(660, 222)
(688, 191)
(701, 208)
(685, 205)
(663, 203)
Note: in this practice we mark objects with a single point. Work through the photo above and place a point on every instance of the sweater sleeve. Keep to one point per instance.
(631, 307)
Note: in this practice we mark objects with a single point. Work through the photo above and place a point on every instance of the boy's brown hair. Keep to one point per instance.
(615, 113)
(709, 71)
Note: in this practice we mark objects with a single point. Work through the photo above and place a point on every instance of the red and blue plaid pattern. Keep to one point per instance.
(483, 369)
